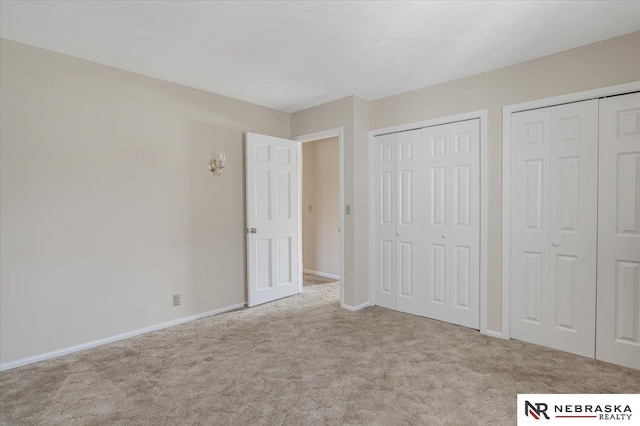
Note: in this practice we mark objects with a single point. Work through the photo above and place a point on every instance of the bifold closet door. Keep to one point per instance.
(451, 226)
(573, 224)
(530, 236)
(618, 330)
(397, 221)
(409, 246)
(554, 172)
(384, 219)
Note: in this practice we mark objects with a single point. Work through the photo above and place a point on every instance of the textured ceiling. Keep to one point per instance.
(294, 55)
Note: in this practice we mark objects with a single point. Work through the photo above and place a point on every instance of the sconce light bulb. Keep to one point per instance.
(216, 163)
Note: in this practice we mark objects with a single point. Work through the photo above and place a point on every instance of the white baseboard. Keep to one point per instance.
(123, 336)
(321, 274)
(492, 333)
(355, 308)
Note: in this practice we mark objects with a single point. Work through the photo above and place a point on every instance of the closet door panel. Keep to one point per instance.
(464, 223)
(409, 252)
(436, 224)
(618, 292)
(385, 217)
(529, 255)
(573, 227)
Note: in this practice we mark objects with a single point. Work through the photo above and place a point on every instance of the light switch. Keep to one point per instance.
(310, 209)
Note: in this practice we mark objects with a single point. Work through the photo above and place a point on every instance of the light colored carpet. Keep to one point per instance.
(301, 360)
(310, 279)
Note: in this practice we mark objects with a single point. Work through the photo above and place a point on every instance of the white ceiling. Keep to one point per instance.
(294, 55)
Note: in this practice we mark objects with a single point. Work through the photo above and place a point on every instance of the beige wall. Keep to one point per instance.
(360, 164)
(320, 189)
(610, 62)
(107, 205)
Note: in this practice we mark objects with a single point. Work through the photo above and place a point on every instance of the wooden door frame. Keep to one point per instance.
(481, 115)
(507, 110)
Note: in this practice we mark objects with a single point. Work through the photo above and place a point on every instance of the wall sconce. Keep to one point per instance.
(216, 164)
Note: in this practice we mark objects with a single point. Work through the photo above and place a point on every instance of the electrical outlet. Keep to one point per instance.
(310, 208)
(347, 209)
(176, 300)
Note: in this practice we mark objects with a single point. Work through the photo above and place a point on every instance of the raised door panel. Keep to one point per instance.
(463, 185)
(573, 227)
(628, 202)
(405, 197)
(532, 194)
(464, 230)
(405, 267)
(618, 291)
(284, 208)
(566, 285)
(463, 272)
(529, 254)
(531, 295)
(438, 274)
(385, 206)
(384, 220)
(262, 196)
(387, 266)
(627, 298)
(264, 278)
(438, 177)
(437, 195)
(409, 246)
(283, 262)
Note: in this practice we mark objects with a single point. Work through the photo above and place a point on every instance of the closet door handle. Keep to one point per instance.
(444, 236)
(555, 243)
(397, 234)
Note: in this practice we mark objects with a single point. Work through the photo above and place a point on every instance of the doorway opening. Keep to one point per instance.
(321, 246)
(320, 219)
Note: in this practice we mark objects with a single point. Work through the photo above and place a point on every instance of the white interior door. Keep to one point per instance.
(409, 245)
(573, 225)
(553, 226)
(531, 134)
(272, 219)
(451, 226)
(384, 220)
(464, 232)
(618, 323)
(426, 222)
(436, 225)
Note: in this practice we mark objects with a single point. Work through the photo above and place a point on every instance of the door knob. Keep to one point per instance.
(444, 236)
(397, 234)
(555, 243)
(253, 230)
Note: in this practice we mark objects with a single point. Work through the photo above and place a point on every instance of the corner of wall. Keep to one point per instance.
(361, 200)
